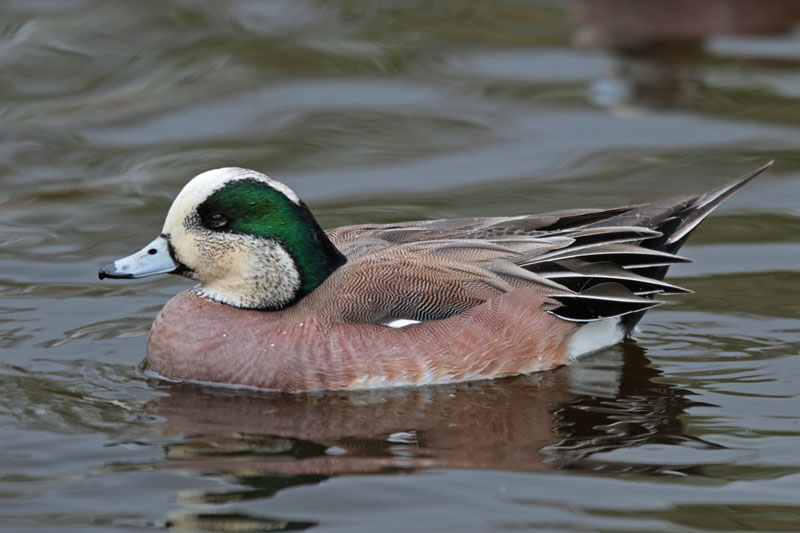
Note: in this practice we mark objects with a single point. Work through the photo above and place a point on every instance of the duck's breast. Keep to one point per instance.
(299, 349)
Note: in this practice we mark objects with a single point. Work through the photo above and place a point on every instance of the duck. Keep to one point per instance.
(284, 305)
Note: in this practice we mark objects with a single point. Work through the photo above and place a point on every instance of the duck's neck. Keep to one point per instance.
(316, 258)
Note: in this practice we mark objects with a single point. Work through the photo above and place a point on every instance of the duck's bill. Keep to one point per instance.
(153, 259)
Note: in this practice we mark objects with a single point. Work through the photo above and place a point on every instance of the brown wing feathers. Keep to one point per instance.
(591, 263)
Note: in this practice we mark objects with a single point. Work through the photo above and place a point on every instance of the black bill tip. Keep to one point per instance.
(110, 271)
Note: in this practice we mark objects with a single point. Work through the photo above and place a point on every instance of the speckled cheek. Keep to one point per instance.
(215, 257)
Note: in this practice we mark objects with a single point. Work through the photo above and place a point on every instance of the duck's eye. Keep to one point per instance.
(216, 220)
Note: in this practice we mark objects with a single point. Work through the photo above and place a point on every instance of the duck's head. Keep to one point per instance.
(247, 239)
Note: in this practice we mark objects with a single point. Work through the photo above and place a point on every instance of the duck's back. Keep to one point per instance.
(590, 263)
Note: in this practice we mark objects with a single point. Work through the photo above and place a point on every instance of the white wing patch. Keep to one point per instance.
(400, 323)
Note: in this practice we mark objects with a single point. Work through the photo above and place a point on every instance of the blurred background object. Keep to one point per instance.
(637, 24)
(660, 46)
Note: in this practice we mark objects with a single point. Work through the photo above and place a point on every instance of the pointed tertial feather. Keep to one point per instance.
(509, 245)
(484, 251)
(459, 228)
(586, 237)
(625, 255)
(577, 218)
(512, 272)
(464, 244)
(526, 243)
(580, 275)
(601, 301)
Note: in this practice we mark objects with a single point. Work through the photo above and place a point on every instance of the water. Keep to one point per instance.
(384, 112)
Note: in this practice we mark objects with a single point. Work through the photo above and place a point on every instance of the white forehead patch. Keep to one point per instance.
(211, 180)
(204, 185)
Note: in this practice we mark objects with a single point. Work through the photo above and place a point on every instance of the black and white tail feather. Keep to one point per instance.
(617, 264)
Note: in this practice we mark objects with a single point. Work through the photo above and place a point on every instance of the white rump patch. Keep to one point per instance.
(594, 336)
(400, 323)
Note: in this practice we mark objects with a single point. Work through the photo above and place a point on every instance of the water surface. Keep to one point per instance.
(385, 112)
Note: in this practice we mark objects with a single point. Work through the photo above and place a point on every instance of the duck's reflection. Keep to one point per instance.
(552, 420)
(562, 419)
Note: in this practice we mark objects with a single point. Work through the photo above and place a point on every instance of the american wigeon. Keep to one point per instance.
(283, 304)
